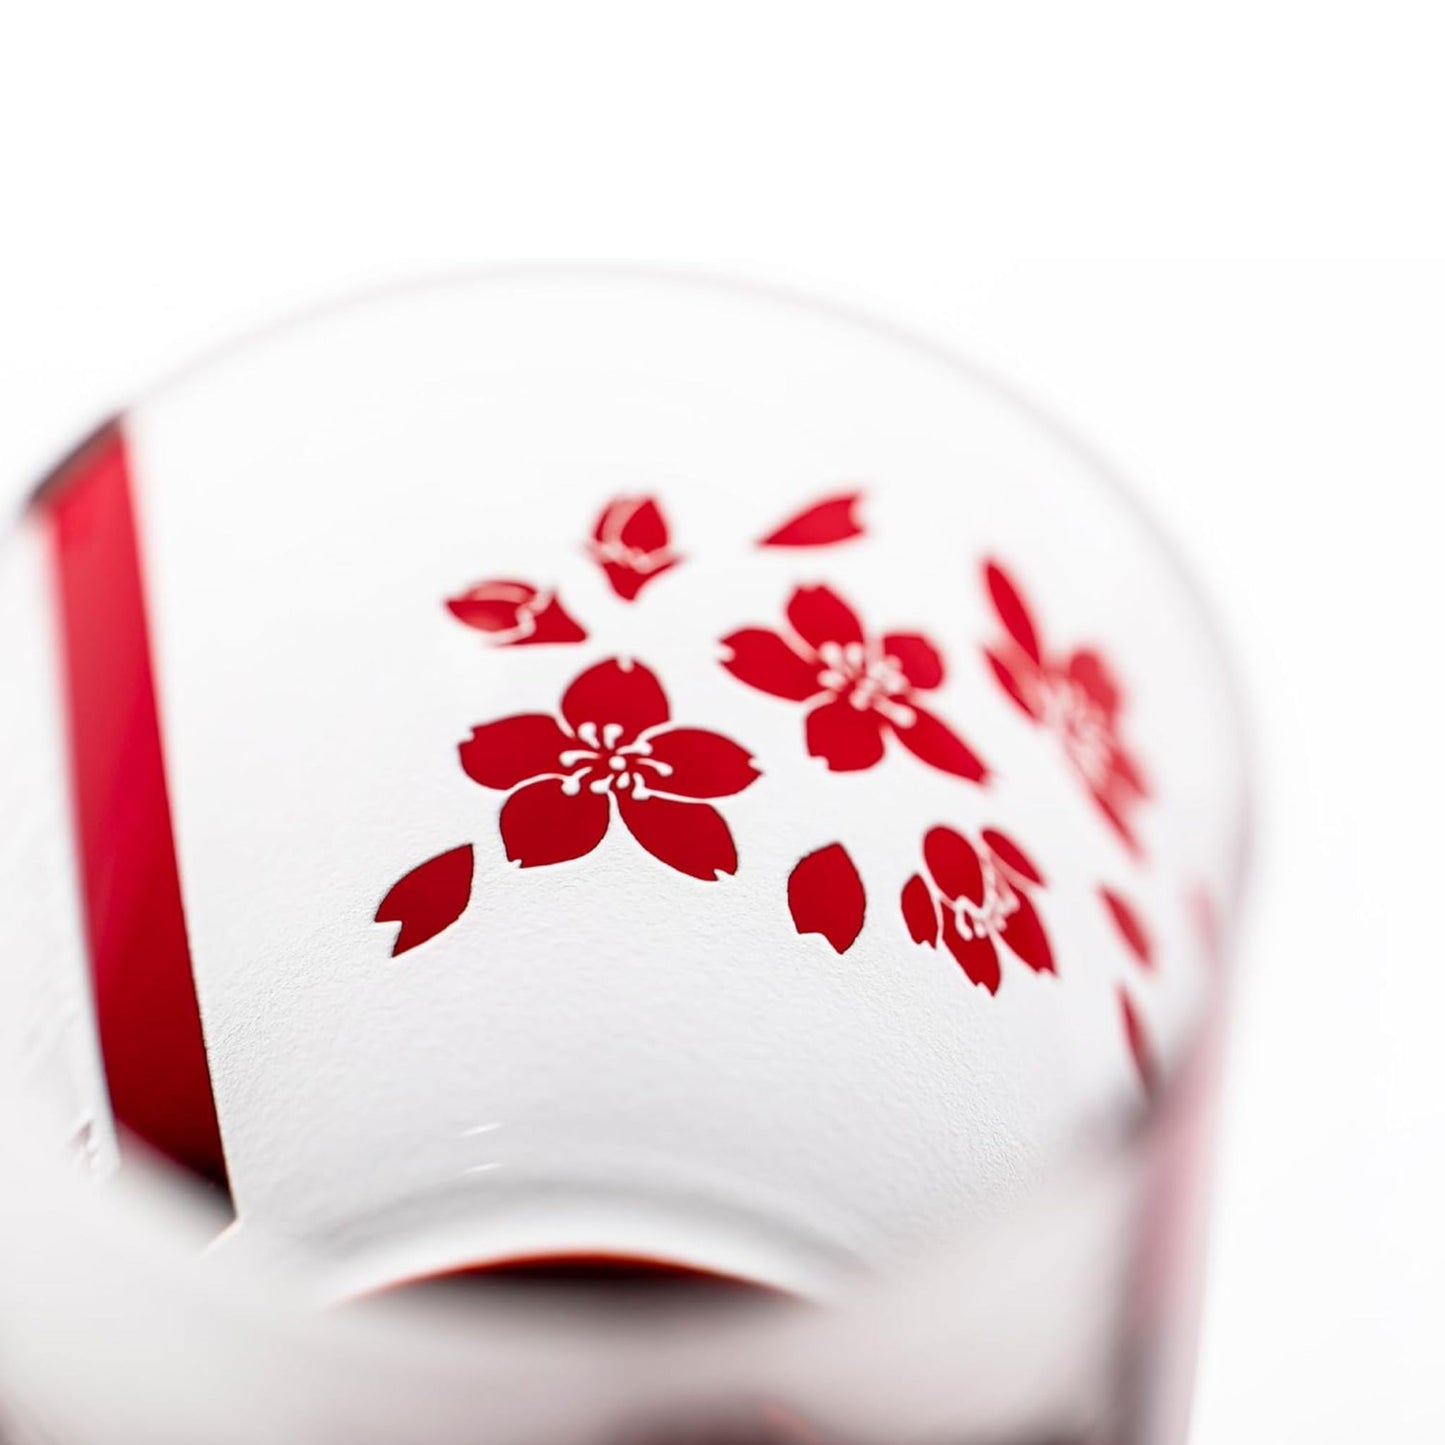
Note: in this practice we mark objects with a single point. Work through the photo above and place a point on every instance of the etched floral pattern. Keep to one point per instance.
(1073, 694)
(611, 753)
(858, 688)
(972, 898)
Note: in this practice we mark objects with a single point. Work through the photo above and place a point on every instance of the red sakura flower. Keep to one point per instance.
(610, 751)
(631, 544)
(974, 899)
(1075, 695)
(512, 614)
(857, 688)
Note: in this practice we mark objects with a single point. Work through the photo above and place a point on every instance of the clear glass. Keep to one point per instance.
(658, 859)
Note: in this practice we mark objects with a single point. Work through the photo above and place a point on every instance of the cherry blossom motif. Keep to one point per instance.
(1130, 927)
(974, 898)
(631, 544)
(825, 523)
(826, 896)
(857, 688)
(428, 899)
(1137, 1039)
(514, 614)
(611, 752)
(1076, 696)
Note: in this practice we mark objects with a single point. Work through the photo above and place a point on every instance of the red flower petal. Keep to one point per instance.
(1024, 694)
(553, 623)
(690, 837)
(1118, 823)
(847, 738)
(514, 614)
(1007, 852)
(764, 660)
(492, 606)
(628, 581)
(617, 691)
(819, 615)
(1138, 1040)
(932, 741)
(513, 750)
(429, 898)
(698, 763)
(826, 895)
(920, 912)
(953, 864)
(1012, 611)
(976, 956)
(542, 824)
(919, 659)
(608, 525)
(1024, 934)
(1126, 772)
(1130, 925)
(633, 522)
(1205, 916)
(821, 525)
(631, 543)
(1088, 671)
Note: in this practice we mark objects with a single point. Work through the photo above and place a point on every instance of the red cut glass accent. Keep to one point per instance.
(147, 1016)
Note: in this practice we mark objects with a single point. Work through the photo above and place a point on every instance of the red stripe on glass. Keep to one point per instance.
(147, 1015)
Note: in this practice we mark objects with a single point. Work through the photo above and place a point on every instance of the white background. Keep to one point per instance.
(1187, 229)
